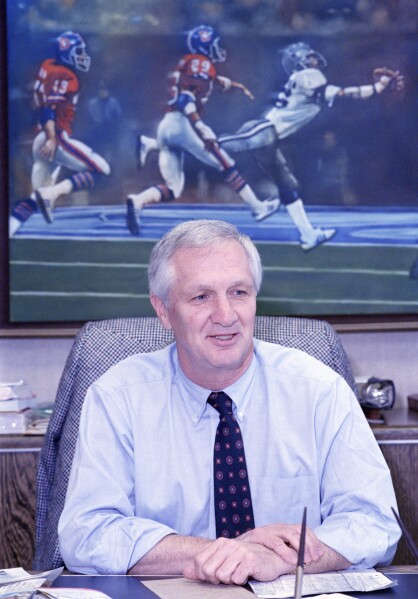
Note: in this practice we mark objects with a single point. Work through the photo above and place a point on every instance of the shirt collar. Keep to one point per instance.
(196, 396)
(240, 392)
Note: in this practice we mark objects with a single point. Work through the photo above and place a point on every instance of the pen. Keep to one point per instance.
(301, 558)
(407, 536)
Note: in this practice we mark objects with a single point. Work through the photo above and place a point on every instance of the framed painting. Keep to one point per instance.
(294, 121)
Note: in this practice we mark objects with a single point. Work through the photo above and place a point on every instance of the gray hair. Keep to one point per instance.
(195, 234)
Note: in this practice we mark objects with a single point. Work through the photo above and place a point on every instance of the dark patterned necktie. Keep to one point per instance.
(233, 507)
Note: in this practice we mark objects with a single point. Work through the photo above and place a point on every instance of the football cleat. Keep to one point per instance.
(23, 209)
(268, 208)
(144, 145)
(45, 206)
(315, 238)
(131, 217)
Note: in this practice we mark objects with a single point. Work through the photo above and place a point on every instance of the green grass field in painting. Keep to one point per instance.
(77, 280)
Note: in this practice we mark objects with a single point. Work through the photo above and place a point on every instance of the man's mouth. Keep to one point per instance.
(224, 337)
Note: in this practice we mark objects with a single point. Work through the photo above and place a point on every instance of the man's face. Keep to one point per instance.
(312, 62)
(211, 311)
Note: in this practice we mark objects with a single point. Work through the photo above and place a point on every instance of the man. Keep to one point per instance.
(56, 92)
(145, 494)
(105, 114)
(183, 130)
(306, 93)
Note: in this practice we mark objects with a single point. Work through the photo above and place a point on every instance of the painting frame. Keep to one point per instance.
(344, 319)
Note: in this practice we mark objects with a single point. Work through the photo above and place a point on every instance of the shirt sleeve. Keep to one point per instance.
(356, 487)
(98, 530)
(330, 94)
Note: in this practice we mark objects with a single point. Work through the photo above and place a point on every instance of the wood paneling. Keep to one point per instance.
(18, 467)
(398, 440)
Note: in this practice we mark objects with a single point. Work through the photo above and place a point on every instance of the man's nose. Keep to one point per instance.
(224, 312)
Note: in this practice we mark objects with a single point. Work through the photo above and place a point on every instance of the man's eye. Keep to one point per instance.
(200, 297)
(240, 292)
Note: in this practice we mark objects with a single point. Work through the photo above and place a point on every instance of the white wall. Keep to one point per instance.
(392, 355)
(38, 361)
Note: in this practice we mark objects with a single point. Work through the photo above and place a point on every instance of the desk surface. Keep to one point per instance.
(121, 587)
(117, 587)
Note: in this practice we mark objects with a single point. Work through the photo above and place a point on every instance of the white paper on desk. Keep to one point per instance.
(333, 596)
(327, 582)
(173, 588)
(14, 580)
(23, 586)
(73, 594)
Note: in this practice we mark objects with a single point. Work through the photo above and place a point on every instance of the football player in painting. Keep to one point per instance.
(305, 93)
(183, 129)
(55, 94)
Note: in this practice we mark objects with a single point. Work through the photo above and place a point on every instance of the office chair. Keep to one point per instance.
(101, 344)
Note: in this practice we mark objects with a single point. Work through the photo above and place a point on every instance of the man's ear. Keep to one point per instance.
(161, 311)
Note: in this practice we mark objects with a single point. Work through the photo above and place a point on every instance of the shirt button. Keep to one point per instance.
(240, 414)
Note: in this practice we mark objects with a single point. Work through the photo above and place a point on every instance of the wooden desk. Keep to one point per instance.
(19, 456)
(398, 439)
(121, 587)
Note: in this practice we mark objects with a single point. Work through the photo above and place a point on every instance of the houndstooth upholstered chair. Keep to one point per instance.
(101, 344)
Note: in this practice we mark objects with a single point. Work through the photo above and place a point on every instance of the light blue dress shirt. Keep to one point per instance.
(143, 466)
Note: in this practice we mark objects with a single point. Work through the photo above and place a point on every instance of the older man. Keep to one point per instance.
(220, 435)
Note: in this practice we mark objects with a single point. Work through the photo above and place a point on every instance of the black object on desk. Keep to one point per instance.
(407, 536)
(301, 558)
(405, 589)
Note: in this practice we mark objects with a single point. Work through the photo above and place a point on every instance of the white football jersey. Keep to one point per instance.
(304, 95)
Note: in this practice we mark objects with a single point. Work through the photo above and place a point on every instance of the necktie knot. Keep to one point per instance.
(221, 402)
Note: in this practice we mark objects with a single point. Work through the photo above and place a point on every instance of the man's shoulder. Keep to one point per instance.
(57, 69)
(292, 361)
(52, 71)
(308, 79)
(139, 368)
(197, 63)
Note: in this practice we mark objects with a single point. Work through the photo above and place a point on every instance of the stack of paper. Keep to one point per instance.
(39, 420)
(72, 594)
(17, 580)
(328, 582)
(19, 410)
